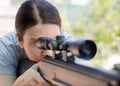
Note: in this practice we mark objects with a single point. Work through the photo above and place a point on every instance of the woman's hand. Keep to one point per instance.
(31, 78)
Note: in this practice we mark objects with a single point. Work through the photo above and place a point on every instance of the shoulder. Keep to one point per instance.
(9, 53)
(9, 38)
(8, 43)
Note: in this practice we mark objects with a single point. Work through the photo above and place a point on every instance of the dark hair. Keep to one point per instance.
(33, 12)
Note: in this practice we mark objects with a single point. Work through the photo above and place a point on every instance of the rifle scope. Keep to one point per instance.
(85, 49)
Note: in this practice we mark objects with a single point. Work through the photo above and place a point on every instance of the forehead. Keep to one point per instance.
(42, 30)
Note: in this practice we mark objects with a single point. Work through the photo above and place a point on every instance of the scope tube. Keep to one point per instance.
(85, 49)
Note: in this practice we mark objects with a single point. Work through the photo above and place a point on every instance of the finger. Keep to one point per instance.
(48, 52)
(57, 52)
(39, 79)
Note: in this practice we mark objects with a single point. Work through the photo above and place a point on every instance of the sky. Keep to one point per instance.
(6, 3)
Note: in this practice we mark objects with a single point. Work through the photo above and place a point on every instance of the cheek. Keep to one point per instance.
(33, 53)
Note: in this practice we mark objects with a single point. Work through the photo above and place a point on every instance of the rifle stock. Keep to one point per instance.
(61, 73)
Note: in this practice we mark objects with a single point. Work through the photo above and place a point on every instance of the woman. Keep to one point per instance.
(34, 19)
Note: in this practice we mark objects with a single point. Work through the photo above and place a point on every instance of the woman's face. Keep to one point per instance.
(32, 34)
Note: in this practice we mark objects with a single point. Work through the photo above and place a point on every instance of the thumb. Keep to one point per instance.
(39, 78)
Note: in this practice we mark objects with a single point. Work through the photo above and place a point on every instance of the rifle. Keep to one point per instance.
(63, 71)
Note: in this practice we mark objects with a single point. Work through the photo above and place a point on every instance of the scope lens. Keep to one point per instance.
(88, 50)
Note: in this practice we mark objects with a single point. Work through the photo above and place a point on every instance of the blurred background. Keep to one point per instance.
(98, 20)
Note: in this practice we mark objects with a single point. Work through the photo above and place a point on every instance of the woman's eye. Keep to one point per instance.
(32, 42)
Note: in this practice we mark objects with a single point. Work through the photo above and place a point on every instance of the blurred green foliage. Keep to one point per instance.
(117, 32)
(101, 25)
